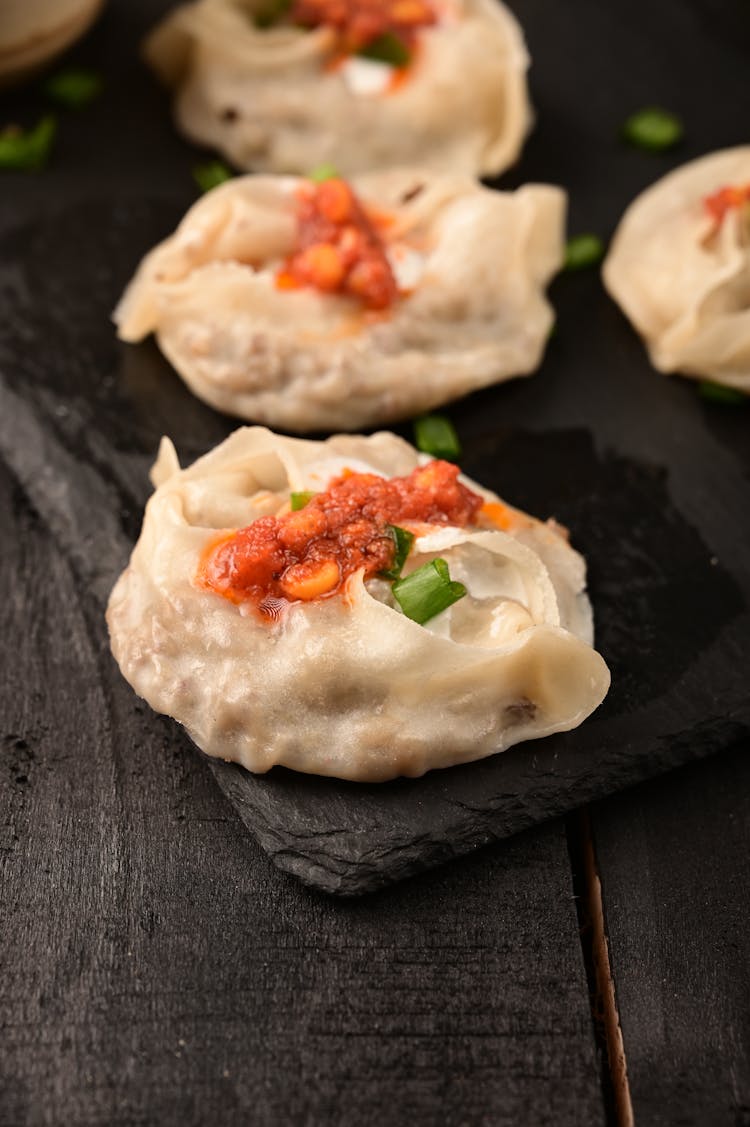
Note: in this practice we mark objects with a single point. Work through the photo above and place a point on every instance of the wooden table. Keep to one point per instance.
(157, 969)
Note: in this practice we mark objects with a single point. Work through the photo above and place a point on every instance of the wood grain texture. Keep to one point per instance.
(156, 968)
(674, 862)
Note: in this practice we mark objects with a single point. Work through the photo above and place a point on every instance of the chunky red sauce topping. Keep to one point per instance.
(309, 554)
(359, 23)
(338, 249)
(725, 200)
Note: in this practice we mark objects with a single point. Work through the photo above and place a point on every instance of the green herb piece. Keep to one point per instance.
(582, 251)
(211, 174)
(653, 128)
(427, 591)
(323, 172)
(271, 12)
(27, 149)
(717, 393)
(436, 435)
(299, 500)
(403, 541)
(74, 87)
(387, 48)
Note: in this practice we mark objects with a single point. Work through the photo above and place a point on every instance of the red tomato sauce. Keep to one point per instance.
(360, 22)
(337, 248)
(723, 201)
(309, 554)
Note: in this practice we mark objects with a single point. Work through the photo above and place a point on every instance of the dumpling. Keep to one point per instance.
(679, 267)
(327, 306)
(283, 86)
(260, 609)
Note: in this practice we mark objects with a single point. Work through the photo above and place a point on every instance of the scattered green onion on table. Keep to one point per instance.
(436, 435)
(27, 149)
(653, 128)
(211, 174)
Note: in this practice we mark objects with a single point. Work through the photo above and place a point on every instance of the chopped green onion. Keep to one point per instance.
(387, 48)
(27, 148)
(211, 174)
(271, 12)
(582, 251)
(653, 128)
(427, 591)
(323, 172)
(403, 541)
(74, 87)
(299, 500)
(436, 435)
(718, 393)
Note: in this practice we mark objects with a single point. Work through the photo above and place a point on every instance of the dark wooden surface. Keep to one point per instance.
(675, 863)
(154, 967)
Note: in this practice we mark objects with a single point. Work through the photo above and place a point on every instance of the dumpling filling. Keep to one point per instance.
(385, 29)
(338, 249)
(725, 200)
(361, 522)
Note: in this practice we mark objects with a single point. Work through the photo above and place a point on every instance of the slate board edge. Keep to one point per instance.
(356, 866)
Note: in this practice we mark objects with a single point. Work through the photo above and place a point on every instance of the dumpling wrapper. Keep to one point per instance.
(476, 262)
(268, 100)
(683, 280)
(347, 685)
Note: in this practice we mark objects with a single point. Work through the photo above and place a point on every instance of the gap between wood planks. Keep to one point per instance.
(587, 889)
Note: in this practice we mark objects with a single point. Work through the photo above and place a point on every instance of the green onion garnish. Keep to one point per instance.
(211, 174)
(403, 541)
(436, 435)
(717, 393)
(73, 87)
(387, 48)
(299, 500)
(271, 12)
(427, 591)
(27, 148)
(653, 128)
(582, 251)
(323, 172)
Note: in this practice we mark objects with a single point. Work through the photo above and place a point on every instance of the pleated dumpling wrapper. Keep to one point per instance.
(281, 87)
(679, 267)
(262, 609)
(331, 306)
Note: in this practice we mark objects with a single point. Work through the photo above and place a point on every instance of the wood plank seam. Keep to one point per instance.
(595, 948)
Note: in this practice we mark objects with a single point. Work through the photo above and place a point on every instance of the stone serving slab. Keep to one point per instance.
(652, 480)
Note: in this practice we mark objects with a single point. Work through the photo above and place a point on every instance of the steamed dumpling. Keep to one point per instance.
(442, 294)
(679, 267)
(228, 617)
(284, 98)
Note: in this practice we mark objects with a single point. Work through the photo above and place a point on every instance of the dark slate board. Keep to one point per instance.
(652, 481)
(156, 968)
(674, 862)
